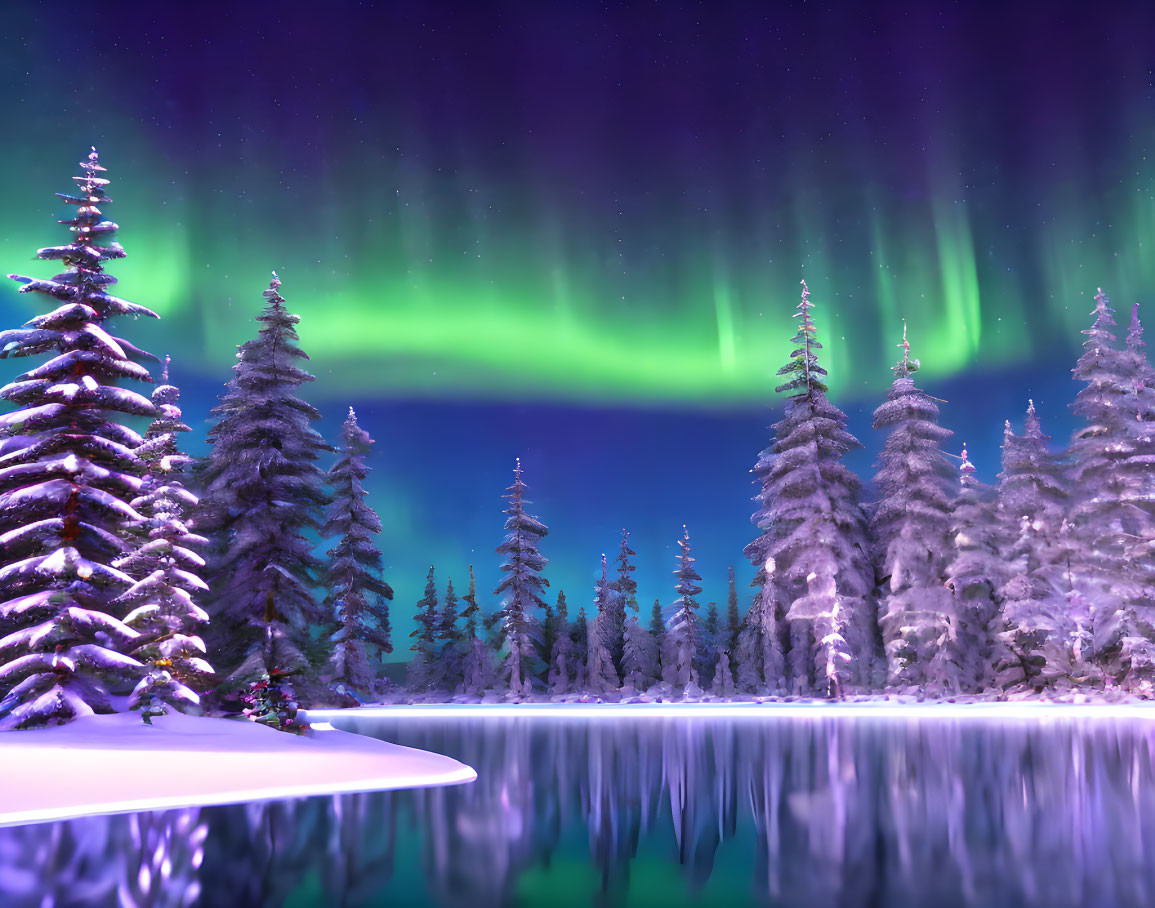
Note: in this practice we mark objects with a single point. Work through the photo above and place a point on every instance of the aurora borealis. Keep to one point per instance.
(575, 233)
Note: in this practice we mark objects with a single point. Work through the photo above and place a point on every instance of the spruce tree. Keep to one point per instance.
(425, 672)
(68, 471)
(262, 492)
(639, 657)
(601, 676)
(523, 586)
(626, 601)
(910, 527)
(561, 655)
(357, 596)
(657, 622)
(973, 575)
(733, 615)
(682, 646)
(477, 668)
(449, 640)
(808, 506)
(1032, 647)
(166, 569)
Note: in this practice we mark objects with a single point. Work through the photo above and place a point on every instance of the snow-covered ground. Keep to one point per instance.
(116, 764)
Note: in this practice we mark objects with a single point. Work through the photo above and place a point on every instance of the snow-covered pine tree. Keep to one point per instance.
(1110, 491)
(626, 601)
(477, 667)
(1135, 668)
(357, 595)
(561, 655)
(261, 492)
(425, 671)
(733, 615)
(166, 569)
(68, 471)
(449, 640)
(639, 657)
(523, 586)
(808, 499)
(723, 683)
(1032, 647)
(910, 527)
(601, 676)
(822, 609)
(682, 646)
(973, 575)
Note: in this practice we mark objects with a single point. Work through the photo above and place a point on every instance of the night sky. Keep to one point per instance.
(574, 232)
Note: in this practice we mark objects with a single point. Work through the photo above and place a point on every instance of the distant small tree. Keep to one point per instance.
(733, 615)
(639, 657)
(523, 586)
(357, 596)
(426, 672)
(562, 662)
(723, 683)
(449, 641)
(626, 600)
(681, 649)
(601, 677)
(477, 665)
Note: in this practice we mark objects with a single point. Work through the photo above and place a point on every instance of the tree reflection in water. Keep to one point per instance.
(846, 812)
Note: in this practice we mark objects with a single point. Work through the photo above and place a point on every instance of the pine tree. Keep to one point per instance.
(972, 577)
(1032, 646)
(67, 474)
(733, 616)
(657, 622)
(166, 569)
(626, 601)
(682, 647)
(821, 607)
(262, 492)
(523, 587)
(601, 676)
(425, 669)
(477, 667)
(910, 526)
(450, 640)
(357, 596)
(561, 655)
(808, 503)
(639, 657)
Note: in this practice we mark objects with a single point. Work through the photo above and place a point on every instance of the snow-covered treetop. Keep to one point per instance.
(803, 369)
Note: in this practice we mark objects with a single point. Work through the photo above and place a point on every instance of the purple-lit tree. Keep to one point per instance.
(426, 672)
(262, 492)
(808, 501)
(910, 528)
(68, 470)
(357, 596)
(166, 569)
(1032, 648)
(601, 676)
(523, 586)
(626, 599)
(973, 575)
(477, 662)
(562, 665)
(449, 640)
(640, 669)
(682, 646)
(733, 615)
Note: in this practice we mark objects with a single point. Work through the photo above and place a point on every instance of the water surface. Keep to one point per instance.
(732, 811)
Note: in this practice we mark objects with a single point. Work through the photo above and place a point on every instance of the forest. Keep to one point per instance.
(135, 577)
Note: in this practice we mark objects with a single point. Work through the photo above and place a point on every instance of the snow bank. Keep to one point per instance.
(117, 764)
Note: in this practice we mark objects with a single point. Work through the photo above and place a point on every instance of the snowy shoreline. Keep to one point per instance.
(873, 708)
(115, 764)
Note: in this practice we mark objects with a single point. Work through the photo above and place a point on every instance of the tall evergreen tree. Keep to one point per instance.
(639, 657)
(601, 676)
(1032, 647)
(626, 600)
(657, 622)
(477, 670)
(357, 596)
(808, 505)
(166, 568)
(262, 492)
(450, 640)
(682, 646)
(561, 655)
(68, 471)
(910, 526)
(973, 575)
(733, 615)
(523, 586)
(425, 669)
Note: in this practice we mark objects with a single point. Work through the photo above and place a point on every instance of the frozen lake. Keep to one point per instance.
(804, 811)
